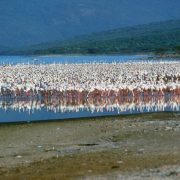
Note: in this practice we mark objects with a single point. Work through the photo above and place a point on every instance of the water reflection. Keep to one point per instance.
(96, 104)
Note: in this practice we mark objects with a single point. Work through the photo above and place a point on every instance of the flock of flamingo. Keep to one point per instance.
(92, 87)
(90, 79)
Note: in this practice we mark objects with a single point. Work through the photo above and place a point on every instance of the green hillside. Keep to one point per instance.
(159, 38)
(3, 49)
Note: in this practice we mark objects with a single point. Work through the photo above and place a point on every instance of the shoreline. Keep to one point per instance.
(106, 146)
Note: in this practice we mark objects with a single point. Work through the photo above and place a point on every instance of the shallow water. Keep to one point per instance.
(34, 109)
(78, 59)
(66, 59)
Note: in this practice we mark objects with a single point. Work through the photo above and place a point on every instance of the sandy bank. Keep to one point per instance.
(90, 148)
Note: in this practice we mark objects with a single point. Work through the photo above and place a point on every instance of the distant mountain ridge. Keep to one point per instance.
(25, 23)
(153, 37)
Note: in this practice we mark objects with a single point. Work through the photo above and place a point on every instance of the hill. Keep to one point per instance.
(25, 23)
(154, 37)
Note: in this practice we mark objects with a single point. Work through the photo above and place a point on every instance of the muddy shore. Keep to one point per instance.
(140, 146)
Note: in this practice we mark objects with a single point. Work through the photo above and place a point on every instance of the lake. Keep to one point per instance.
(33, 109)
(78, 59)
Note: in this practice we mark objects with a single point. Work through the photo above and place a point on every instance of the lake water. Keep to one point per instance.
(14, 110)
(67, 59)
(77, 59)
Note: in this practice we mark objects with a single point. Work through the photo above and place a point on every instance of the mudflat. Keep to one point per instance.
(142, 146)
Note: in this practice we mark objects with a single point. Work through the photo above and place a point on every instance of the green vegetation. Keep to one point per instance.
(161, 38)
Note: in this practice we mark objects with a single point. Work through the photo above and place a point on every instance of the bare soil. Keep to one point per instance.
(125, 147)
